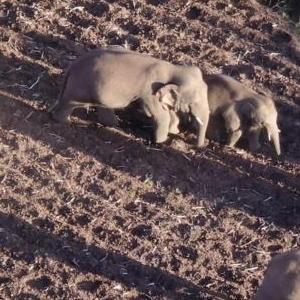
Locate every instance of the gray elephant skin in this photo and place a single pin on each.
(282, 279)
(236, 110)
(112, 78)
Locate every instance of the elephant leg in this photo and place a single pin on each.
(215, 129)
(233, 126)
(174, 122)
(62, 112)
(107, 117)
(200, 112)
(147, 111)
(162, 123)
(253, 139)
(234, 137)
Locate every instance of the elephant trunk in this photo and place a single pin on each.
(273, 134)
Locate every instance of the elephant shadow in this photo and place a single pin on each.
(28, 243)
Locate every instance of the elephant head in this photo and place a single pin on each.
(260, 112)
(187, 100)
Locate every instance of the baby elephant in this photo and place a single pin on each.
(282, 279)
(238, 110)
(112, 78)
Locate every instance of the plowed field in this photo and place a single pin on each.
(102, 213)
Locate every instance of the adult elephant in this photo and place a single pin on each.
(112, 78)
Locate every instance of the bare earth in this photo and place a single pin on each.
(102, 213)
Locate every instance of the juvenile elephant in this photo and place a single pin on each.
(112, 78)
(282, 279)
(238, 110)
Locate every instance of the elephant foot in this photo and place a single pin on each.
(61, 117)
(62, 112)
(161, 134)
(202, 144)
(107, 117)
(174, 130)
(160, 139)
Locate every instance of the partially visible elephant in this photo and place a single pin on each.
(113, 78)
(282, 279)
(237, 110)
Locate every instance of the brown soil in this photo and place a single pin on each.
(101, 213)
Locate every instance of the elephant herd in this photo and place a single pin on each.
(220, 107)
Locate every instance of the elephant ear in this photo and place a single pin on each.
(168, 95)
